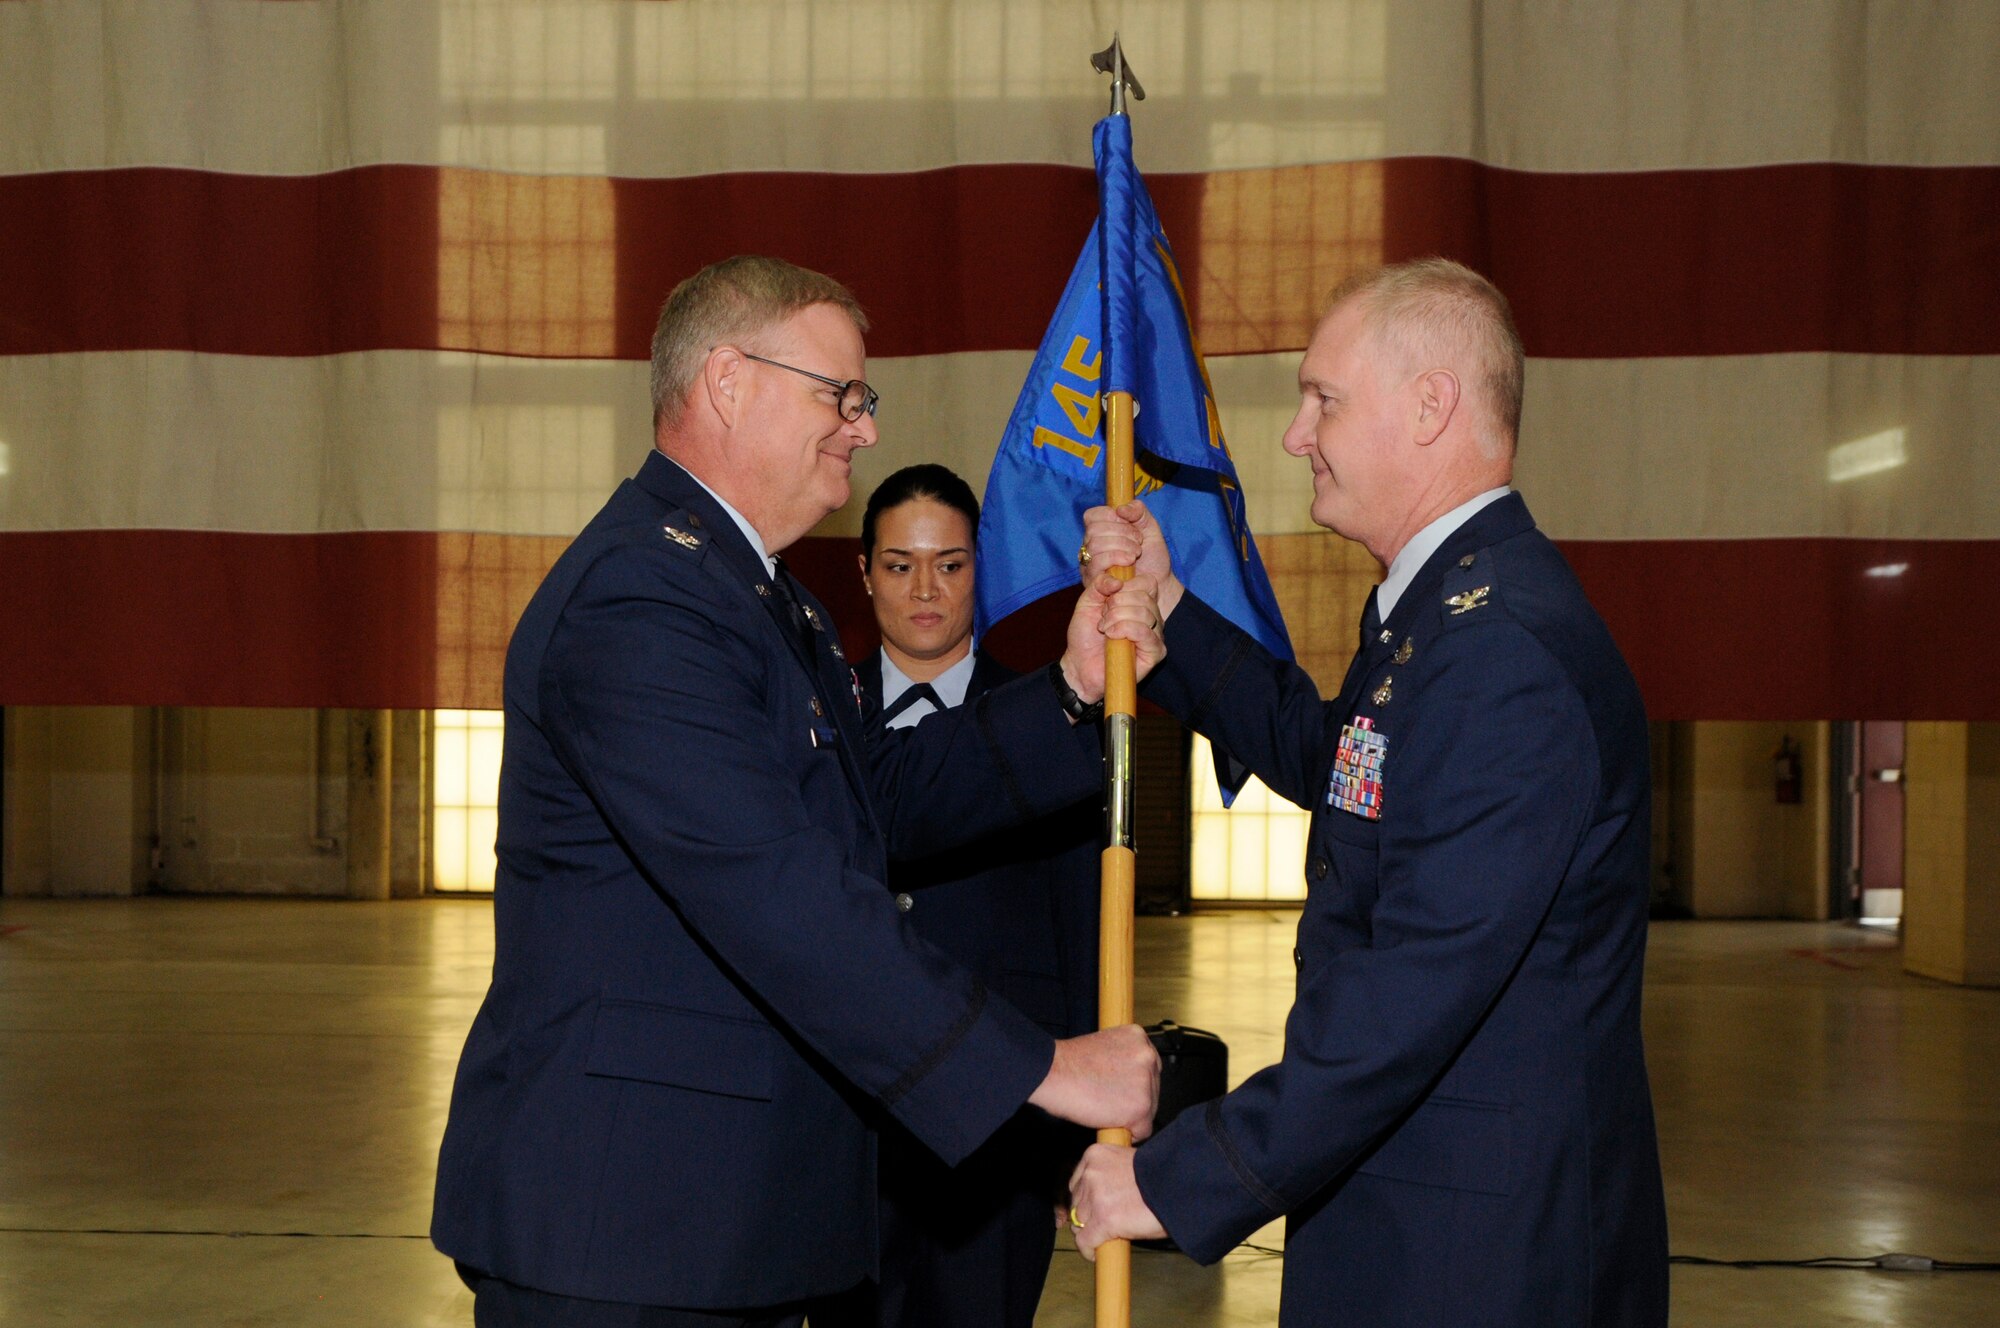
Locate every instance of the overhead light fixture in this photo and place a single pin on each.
(1887, 569)
(1867, 456)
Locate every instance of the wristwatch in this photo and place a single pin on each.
(1071, 703)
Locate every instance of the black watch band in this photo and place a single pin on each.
(1071, 703)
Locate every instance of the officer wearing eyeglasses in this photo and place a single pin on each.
(703, 992)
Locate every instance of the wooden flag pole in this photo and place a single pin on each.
(1121, 705)
(1119, 864)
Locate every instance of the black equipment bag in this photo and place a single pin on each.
(1194, 1067)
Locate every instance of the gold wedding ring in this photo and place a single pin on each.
(1083, 557)
(1075, 1222)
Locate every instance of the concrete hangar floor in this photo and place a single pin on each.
(227, 1112)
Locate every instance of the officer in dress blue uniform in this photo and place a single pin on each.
(703, 993)
(1460, 1130)
(969, 1246)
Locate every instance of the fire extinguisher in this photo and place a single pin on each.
(1785, 772)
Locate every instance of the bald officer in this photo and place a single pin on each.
(703, 993)
(1460, 1130)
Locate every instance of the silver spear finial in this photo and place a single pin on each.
(1111, 60)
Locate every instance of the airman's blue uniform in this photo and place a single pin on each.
(1460, 1130)
(702, 988)
(969, 1246)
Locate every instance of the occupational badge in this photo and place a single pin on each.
(1404, 651)
(1382, 693)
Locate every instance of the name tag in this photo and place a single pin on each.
(1356, 785)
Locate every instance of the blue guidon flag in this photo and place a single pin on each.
(1050, 464)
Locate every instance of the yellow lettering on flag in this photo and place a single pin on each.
(1215, 438)
(1074, 363)
(1084, 452)
(1239, 533)
(1081, 407)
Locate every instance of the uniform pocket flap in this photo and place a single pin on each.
(1352, 829)
(659, 1044)
(1453, 1142)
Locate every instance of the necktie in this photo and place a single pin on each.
(794, 607)
(915, 692)
(1371, 623)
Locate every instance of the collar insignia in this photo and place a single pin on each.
(1467, 602)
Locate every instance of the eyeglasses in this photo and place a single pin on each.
(856, 397)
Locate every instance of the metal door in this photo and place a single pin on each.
(1880, 828)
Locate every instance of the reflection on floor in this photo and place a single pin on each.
(227, 1111)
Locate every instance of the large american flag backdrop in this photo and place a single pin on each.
(323, 325)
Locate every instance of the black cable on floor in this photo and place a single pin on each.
(1885, 1263)
(1888, 1263)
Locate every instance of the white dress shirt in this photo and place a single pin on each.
(1404, 567)
(950, 686)
(749, 531)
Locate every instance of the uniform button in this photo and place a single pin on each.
(1318, 869)
(904, 903)
(1298, 957)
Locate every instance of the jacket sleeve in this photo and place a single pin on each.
(1075, 870)
(1265, 711)
(652, 692)
(1495, 776)
(1006, 757)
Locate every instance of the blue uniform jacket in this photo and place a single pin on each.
(701, 985)
(1460, 1127)
(1019, 908)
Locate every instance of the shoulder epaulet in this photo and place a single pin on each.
(1471, 589)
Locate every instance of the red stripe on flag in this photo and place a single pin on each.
(1714, 629)
(164, 617)
(1820, 257)
(158, 259)
(1780, 629)
(1815, 257)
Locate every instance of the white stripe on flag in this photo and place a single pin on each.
(643, 88)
